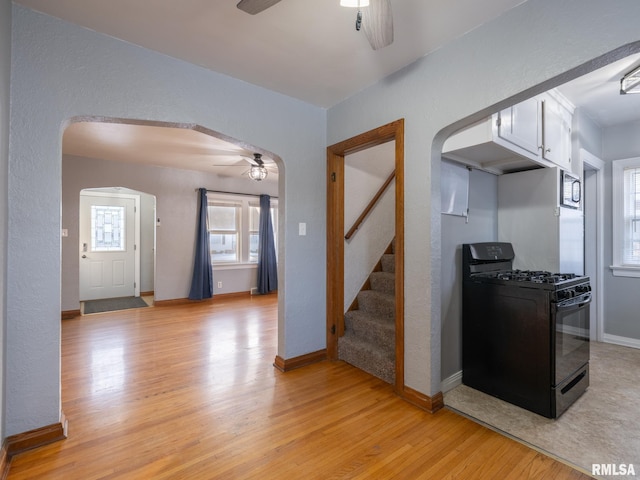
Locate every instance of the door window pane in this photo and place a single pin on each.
(107, 228)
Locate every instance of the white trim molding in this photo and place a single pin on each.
(451, 382)
(619, 268)
(625, 271)
(623, 341)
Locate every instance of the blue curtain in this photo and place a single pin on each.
(202, 280)
(267, 263)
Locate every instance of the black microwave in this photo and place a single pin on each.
(570, 190)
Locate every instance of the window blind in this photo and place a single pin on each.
(631, 250)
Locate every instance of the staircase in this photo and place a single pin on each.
(369, 338)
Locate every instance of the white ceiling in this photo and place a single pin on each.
(305, 49)
(161, 146)
(598, 93)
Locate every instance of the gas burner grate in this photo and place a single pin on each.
(533, 276)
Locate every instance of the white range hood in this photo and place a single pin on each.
(532, 134)
(477, 147)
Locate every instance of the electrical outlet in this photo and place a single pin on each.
(219, 284)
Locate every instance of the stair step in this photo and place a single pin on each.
(383, 282)
(369, 339)
(379, 303)
(380, 332)
(360, 354)
(388, 261)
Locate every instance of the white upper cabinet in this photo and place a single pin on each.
(556, 132)
(519, 125)
(532, 133)
(540, 126)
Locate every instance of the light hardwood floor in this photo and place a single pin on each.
(190, 393)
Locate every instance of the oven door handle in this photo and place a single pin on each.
(576, 303)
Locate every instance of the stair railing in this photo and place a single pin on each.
(369, 207)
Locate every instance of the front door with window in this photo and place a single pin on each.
(107, 246)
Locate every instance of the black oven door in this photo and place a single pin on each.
(571, 325)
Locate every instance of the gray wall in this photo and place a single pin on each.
(481, 227)
(621, 300)
(526, 51)
(61, 71)
(5, 75)
(587, 134)
(176, 206)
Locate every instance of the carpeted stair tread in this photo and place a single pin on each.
(383, 282)
(378, 303)
(359, 353)
(369, 338)
(379, 331)
(388, 261)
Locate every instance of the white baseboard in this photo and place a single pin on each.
(624, 341)
(451, 382)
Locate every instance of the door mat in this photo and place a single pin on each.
(111, 304)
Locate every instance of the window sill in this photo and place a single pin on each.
(625, 271)
(234, 266)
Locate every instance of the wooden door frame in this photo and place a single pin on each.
(393, 131)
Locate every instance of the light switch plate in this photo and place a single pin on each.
(302, 229)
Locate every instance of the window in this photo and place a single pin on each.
(254, 229)
(234, 228)
(224, 232)
(626, 217)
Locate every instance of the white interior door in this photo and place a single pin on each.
(107, 246)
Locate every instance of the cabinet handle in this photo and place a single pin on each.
(548, 150)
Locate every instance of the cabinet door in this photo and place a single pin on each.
(556, 133)
(519, 125)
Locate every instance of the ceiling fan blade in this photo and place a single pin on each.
(249, 160)
(377, 23)
(255, 6)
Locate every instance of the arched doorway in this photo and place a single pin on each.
(168, 162)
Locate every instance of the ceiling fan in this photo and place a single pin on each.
(374, 17)
(257, 171)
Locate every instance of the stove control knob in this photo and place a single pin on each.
(565, 294)
(583, 288)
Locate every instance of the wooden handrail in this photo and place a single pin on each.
(369, 207)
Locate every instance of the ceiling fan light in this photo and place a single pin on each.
(354, 3)
(630, 83)
(258, 173)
